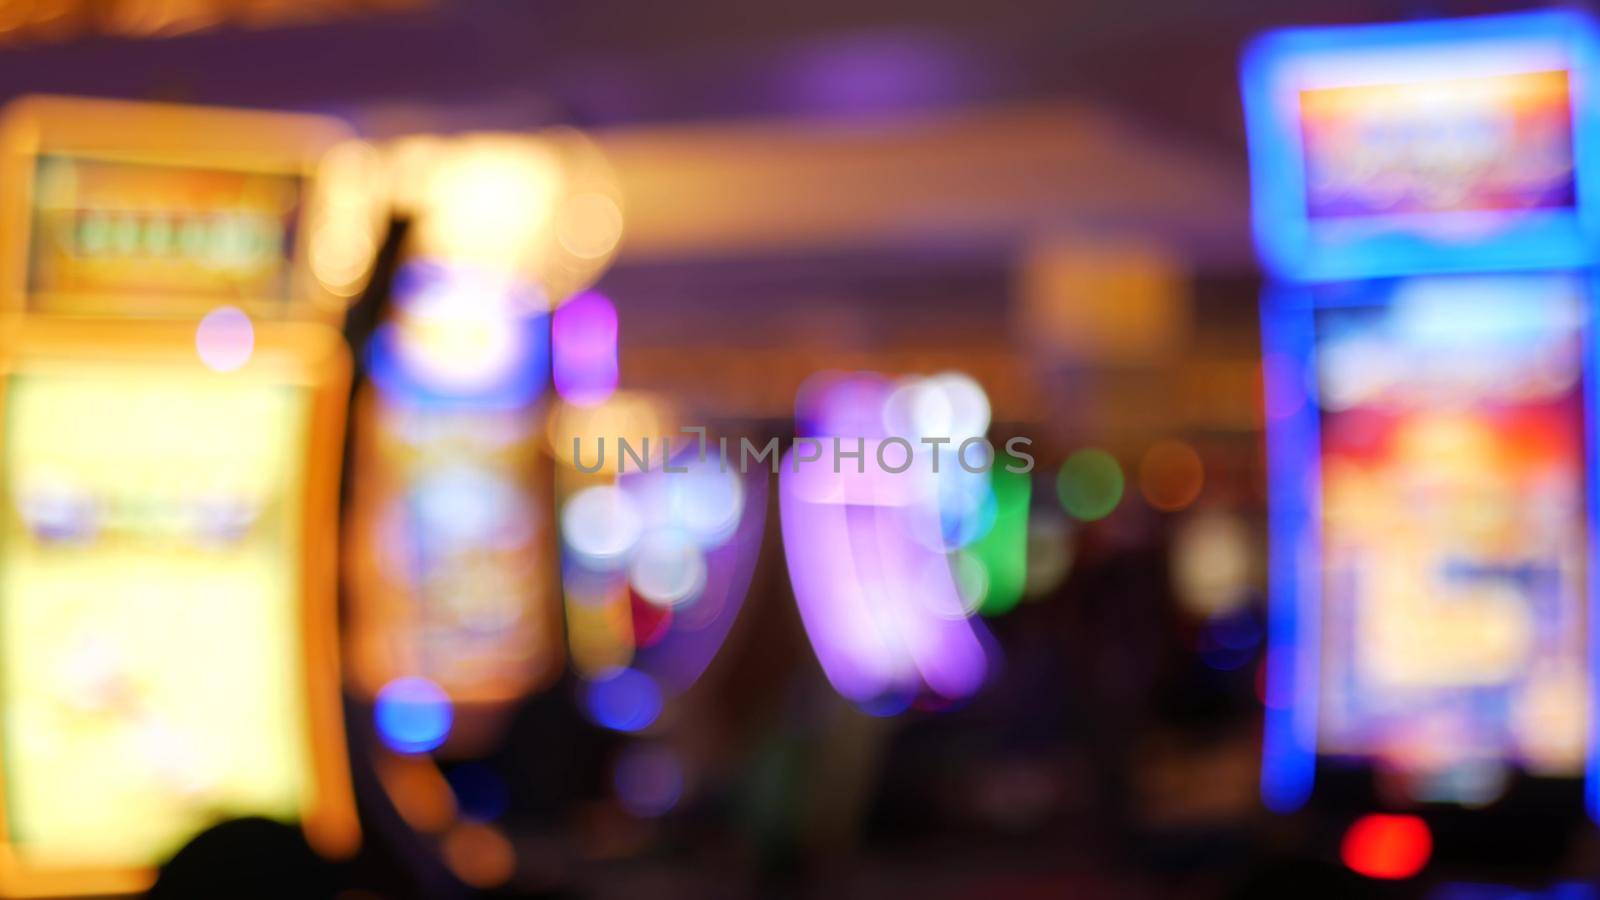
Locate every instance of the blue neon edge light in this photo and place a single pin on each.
(1289, 741)
(1591, 436)
(1295, 248)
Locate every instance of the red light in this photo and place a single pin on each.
(1392, 847)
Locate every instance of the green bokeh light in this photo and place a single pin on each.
(1090, 485)
(1004, 550)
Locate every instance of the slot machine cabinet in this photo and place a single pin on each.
(455, 607)
(173, 399)
(1422, 198)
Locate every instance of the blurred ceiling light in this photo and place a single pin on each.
(589, 225)
(544, 207)
(489, 202)
(47, 21)
(347, 216)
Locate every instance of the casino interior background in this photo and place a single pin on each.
(540, 221)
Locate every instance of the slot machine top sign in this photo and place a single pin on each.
(173, 411)
(1424, 147)
(138, 210)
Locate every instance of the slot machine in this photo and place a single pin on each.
(173, 397)
(455, 614)
(1424, 201)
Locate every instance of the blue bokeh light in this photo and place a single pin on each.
(624, 700)
(413, 715)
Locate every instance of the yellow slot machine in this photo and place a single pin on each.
(173, 410)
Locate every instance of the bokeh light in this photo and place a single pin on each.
(667, 567)
(480, 855)
(601, 525)
(1090, 484)
(648, 779)
(1171, 475)
(1387, 847)
(490, 201)
(1214, 562)
(1050, 550)
(1003, 550)
(460, 330)
(624, 700)
(413, 715)
(583, 346)
(589, 225)
(225, 339)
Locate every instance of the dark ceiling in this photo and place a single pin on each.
(1168, 64)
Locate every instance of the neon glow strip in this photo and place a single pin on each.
(1294, 638)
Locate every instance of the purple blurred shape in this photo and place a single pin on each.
(583, 338)
(882, 610)
(875, 73)
(699, 627)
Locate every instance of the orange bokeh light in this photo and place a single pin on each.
(1171, 475)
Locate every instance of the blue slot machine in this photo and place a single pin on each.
(1423, 197)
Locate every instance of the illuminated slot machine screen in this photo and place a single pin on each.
(1451, 521)
(1427, 147)
(133, 237)
(171, 419)
(451, 555)
(156, 670)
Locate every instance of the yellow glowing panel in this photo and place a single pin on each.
(151, 669)
(141, 234)
(152, 210)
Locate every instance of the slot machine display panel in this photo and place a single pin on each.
(1432, 511)
(1450, 146)
(168, 490)
(135, 210)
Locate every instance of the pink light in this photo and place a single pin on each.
(583, 336)
(225, 339)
